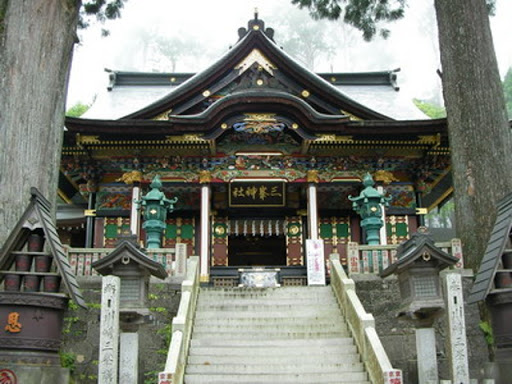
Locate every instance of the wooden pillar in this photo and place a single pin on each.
(312, 212)
(205, 233)
(134, 214)
(89, 223)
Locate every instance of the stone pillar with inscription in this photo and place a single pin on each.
(181, 260)
(109, 330)
(458, 346)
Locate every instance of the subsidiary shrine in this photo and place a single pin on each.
(261, 155)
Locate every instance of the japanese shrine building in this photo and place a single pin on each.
(260, 152)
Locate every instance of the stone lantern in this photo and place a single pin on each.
(418, 267)
(368, 206)
(155, 206)
(134, 269)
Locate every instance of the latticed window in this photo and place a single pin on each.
(425, 286)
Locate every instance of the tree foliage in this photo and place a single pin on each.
(365, 15)
(431, 110)
(77, 110)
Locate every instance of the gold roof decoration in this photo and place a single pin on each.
(184, 139)
(256, 57)
(386, 177)
(333, 139)
(86, 139)
(131, 177)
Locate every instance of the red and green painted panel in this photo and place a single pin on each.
(335, 232)
(294, 253)
(220, 242)
(397, 229)
(180, 230)
(113, 227)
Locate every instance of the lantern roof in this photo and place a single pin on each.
(125, 253)
(419, 246)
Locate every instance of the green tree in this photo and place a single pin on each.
(77, 110)
(507, 88)
(36, 45)
(431, 110)
(479, 132)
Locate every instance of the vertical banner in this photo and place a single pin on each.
(353, 258)
(315, 262)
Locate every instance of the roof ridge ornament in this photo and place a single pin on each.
(256, 25)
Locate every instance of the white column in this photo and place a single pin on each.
(109, 330)
(312, 211)
(205, 232)
(458, 346)
(134, 214)
(383, 233)
(129, 357)
(426, 355)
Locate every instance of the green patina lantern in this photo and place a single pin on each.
(156, 206)
(368, 206)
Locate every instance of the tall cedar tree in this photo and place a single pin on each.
(36, 45)
(479, 132)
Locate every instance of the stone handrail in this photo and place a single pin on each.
(362, 326)
(182, 327)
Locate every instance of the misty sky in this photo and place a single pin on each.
(212, 27)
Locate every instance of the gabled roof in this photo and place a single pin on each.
(496, 247)
(171, 95)
(124, 253)
(38, 215)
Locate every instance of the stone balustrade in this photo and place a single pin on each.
(81, 259)
(182, 327)
(375, 258)
(362, 326)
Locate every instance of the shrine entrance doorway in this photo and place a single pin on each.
(257, 251)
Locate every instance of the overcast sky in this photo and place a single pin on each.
(411, 46)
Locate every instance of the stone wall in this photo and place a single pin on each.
(81, 334)
(381, 298)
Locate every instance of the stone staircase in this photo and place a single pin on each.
(274, 335)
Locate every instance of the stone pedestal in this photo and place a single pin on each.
(23, 373)
(109, 330)
(31, 328)
(129, 357)
(426, 356)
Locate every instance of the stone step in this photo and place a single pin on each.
(273, 313)
(266, 308)
(297, 378)
(280, 351)
(269, 335)
(274, 342)
(271, 322)
(206, 303)
(276, 369)
(267, 295)
(266, 291)
(269, 327)
(289, 356)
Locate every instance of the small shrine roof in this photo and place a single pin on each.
(38, 216)
(414, 248)
(496, 248)
(125, 252)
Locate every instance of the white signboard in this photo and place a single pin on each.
(315, 262)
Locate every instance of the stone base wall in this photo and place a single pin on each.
(381, 298)
(81, 334)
